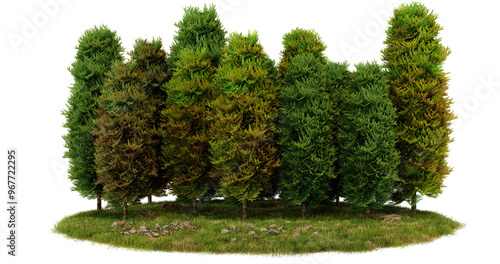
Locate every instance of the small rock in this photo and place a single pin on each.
(125, 229)
(255, 237)
(148, 235)
(236, 230)
(263, 229)
(287, 221)
(121, 224)
(273, 225)
(390, 217)
(283, 231)
(233, 239)
(143, 228)
(272, 232)
(251, 232)
(224, 230)
(233, 227)
(155, 234)
(309, 228)
(163, 234)
(112, 231)
(280, 228)
(251, 226)
(315, 234)
(132, 231)
(157, 226)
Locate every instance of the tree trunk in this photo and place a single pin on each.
(125, 215)
(245, 203)
(99, 208)
(413, 205)
(194, 206)
(337, 200)
(150, 198)
(368, 211)
(303, 210)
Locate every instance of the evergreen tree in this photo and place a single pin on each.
(151, 61)
(200, 29)
(306, 140)
(127, 138)
(185, 122)
(243, 150)
(368, 158)
(338, 79)
(414, 57)
(97, 49)
(306, 114)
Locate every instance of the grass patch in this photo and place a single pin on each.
(339, 228)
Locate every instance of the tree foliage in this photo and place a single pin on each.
(97, 49)
(414, 57)
(243, 150)
(127, 144)
(199, 29)
(185, 123)
(368, 158)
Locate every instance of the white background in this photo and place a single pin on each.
(34, 90)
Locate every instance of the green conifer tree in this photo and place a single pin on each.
(338, 79)
(414, 58)
(199, 29)
(306, 114)
(97, 49)
(243, 150)
(368, 158)
(306, 140)
(185, 122)
(126, 152)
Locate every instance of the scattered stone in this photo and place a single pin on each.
(255, 237)
(233, 227)
(343, 234)
(145, 214)
(121, 224)
(272, 232)
(180, 226)
(224, 230)
(233, 239)
(125, 229)
(148, 235)
(157, 226)
(236, 230)
(309, 228)
(288, 221)
(283, 231)
(155, 234)
(273, 225)
(132, 231)
(315, 234)
(251, 226)
(263, 229)
(390, 217)
(251, 232)
(112, 231)
(126, 233)
(280, 228)
(171, 206)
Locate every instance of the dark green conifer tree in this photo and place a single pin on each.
(127, 144)
(200, 29)
(97, 49)
(244, 154)
(368, 157)
(338, 79)
(185, 122)
(414, 58)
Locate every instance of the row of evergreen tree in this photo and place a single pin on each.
(215, 116)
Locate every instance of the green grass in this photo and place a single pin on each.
(340, 228)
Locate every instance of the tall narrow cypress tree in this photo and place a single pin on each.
(185, 123)
(306, 113)
(243, 150)
(199, 29)
(127, 137)
(414, 58)
(306, 142)
(97, 49)
(368, 158)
